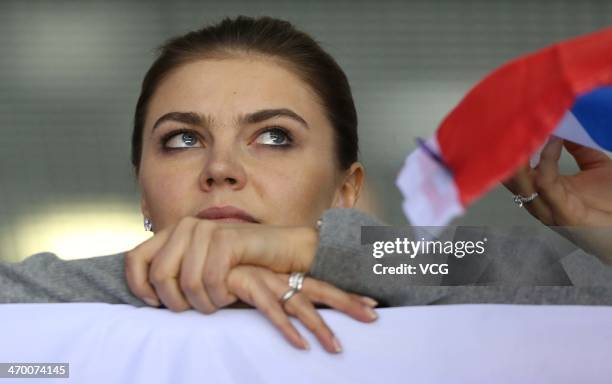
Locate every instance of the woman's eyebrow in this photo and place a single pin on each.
(190, 118)
(193, 118)
(265, 114)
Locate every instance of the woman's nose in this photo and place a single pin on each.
(222, 169)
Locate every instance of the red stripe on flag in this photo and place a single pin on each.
(510, 113)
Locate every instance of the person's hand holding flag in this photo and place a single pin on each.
(582, 201)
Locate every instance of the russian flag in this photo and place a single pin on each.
(563, 90)
(589, 122)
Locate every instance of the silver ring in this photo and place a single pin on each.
(296, 280)
(287, 295)
(522, 200)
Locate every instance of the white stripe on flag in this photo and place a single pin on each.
(430, 195)
(569, 128)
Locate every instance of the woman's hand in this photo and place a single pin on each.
(583, 200)
(262, 288)
(189, 264)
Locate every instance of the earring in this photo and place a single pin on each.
(148, 224)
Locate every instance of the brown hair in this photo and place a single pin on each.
(270, 37)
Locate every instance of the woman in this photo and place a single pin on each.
(245, 135)
(247, 122)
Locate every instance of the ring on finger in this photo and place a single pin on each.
(287, 295)
(522, 200)
(296, 282)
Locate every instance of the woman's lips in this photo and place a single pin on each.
(226, 213)
(231, 220)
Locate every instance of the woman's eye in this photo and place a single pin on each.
(275, 137)
(183, 140)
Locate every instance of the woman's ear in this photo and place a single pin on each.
(348, 191)
(144, 208)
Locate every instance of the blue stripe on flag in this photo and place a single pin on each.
(594, 112)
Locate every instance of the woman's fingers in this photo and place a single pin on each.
(225, 244)
(246, 284)
(191, 280)
(548, 181)
(263, 288)
(358, 307)
(165, 267)
(521, 179)
(137, 263)
(556, 204)
(586, 158)
(523, 183)
(300, 307)
(269, 287)
(548, 168)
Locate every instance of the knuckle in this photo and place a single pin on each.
(190, 285)
(131, 257)
(216, 298)
(290, 309)
(187, 220)
(137, 288)
(317, 290)
(158, 277)
(346, 304)
(210, 278)
(223, 235)
(269, 310)
(297, 307)
(316, 326)
(204, 227)
(541, 183)
(185, 223)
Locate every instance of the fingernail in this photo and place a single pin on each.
(371, 313)
(369, 301)
(305, 344)
(151, 301)
(554, 140)
(337, 346)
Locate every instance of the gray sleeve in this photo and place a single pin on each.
(44, 278)
(340, 258)
(342, 261)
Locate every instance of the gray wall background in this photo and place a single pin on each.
(70, 74)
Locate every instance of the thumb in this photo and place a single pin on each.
(586, 158)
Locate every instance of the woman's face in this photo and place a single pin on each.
(241, 132)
